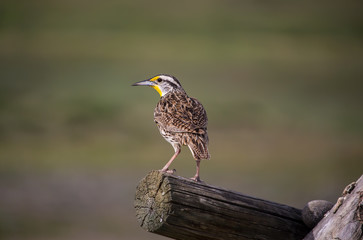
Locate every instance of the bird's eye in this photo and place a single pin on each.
(159, 80)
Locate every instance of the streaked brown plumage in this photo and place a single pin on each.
(180, 119)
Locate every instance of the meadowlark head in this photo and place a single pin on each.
(162, 83)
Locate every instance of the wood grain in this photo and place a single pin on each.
(183, 209)
(344, 221)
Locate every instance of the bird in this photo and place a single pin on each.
(181, 120)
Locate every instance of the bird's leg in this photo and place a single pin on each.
(196, 177)
(166, 167)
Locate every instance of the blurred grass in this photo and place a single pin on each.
(281, 82)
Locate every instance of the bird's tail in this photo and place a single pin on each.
(198, 147)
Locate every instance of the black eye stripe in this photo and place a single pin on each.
(168, 79)
(173, 85)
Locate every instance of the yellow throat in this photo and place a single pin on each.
(157, 88)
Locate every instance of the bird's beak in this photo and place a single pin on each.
(151, 83)
(144, 83)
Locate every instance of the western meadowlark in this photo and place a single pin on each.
(180, 119)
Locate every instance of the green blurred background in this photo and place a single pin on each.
(281, 82)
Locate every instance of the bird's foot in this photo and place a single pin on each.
(196, 178)
(168, 171)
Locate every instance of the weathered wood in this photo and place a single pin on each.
(183, 209)
(314, 211)
(345, 220)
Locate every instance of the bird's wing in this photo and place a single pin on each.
(180, 113)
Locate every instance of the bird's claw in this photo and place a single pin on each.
(168, 171)
(196, 178)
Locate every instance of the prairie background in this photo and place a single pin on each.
(282, 83)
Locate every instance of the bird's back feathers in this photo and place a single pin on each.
(183, 120)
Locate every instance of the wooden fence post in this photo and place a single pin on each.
(182, 209)
(345, 220)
